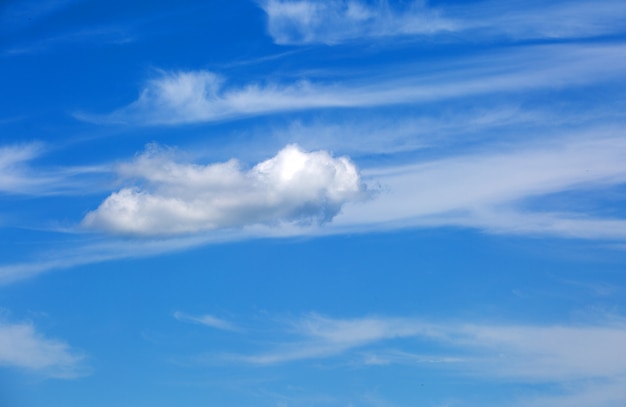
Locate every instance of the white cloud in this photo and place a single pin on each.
(551, 20)
(93, 36)
(101, 251)
(21, 346)
(487, 190)
(206, 320)
(294, 186)
(13, 172)
(582, 363)
(18, 174)
(336, 21)
(533, 353)
(203, 96)
(325, 337)
(200, 96)
(339, 21)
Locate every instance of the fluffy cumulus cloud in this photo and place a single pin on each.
(331, 22)
(23, 347)
(173, 198)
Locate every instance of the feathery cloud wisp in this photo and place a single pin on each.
(522, 352)
(292, 22)
(23, 347)
(206, 320)
(18, 174)
(294, 186)
(203, 96)
(13, 174)
(466, 191)
(336, 21)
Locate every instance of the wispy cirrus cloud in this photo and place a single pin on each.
(12, 162)
(581, 362)
(21, 346)
(292, 22)
(536, 19)
(97, 35)
(336, 21)
(521, 352)
(102, 251)
(174, 198)
(487, 190)
(207, 320)
(203, 96)
(18, 174)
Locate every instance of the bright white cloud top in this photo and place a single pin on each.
(293, 186)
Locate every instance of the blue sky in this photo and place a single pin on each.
(292, 203)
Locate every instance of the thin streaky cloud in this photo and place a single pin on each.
(554, 20)
(207, 320)
(202, 96)
(523, 352)
(14, 173)
(20, 176)
(336, 21)
(103, 251)
(93, 36)
(369, 134)
(297, 22)
(465, 189)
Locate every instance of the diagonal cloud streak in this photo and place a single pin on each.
(486, 190)
(202, 96)
(523, 352)
(332, 22)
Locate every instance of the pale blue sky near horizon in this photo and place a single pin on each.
(296, 203)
